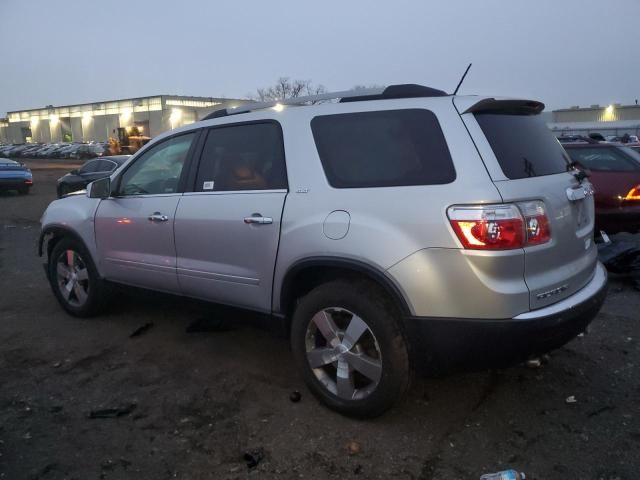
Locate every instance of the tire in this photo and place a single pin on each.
(23, 191)
(381, 349)
(88, 293)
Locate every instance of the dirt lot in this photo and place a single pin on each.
(197, 401)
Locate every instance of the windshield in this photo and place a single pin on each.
(523, 145)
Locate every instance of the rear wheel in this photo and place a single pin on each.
(350, 348)
(74, 279)
(23, 190)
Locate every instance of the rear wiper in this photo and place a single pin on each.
(579, 171)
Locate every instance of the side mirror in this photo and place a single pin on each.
(100, 188)
(75, 171)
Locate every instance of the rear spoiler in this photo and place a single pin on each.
(506, 107)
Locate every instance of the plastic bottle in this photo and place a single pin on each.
(504, 475)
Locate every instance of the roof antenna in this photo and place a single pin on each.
(462, 79)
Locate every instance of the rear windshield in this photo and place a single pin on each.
(383, 149)
(6, 164)
(523, 145)
(610, 159)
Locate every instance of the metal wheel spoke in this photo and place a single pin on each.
(82, 274)
(71, 258)
(79, 292)
(354, 331)
(320, 356)
(63, 271)
(344, 381)
(66, 291)
(327, 327)
(369, 367)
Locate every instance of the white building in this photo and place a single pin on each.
(98, 121)
(613, 119)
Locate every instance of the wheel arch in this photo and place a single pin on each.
(306, 274)
(52, 234)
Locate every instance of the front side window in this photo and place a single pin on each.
(383, 149)
(243, 157)
(158, 169)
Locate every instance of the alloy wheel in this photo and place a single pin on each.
(73, 278)
(343, 353)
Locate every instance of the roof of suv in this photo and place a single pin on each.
(408, 90)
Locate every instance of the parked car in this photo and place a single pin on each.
(92, 170)
(15, 176)
(615, 175)
(576, 139)
(395, 230)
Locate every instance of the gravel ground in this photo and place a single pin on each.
(192, 403)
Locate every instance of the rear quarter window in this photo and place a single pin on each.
(383, 149)
(523, 145)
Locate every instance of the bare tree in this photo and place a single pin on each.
(366, 87)
(286, 88)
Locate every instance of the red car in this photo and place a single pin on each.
(615, 175)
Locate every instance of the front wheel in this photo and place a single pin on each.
(350, 347)
(74, 279)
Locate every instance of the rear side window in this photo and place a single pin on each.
(523, 145)
(604, 159)
(243, 157)
(90, 167)
(383, 149)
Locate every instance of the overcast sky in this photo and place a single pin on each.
(563, 52)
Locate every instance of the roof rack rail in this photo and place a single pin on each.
(379, 93)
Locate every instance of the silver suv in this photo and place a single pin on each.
(392, 230)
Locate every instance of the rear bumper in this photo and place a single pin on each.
(446, 344)
(15, 182)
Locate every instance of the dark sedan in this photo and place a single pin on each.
(615, 175)
(15, 176)
(90, 171)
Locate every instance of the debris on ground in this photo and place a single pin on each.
(622, 255)
(253, 457)
(504, 475)
(570, 399)
(353, 448)
(295, 396)
(534, 363)
(140, 330)
(112, 412)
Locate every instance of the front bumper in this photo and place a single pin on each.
(615, 220)
(441, 345)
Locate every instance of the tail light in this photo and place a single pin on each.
(536, 223)
(28, 182)
(634, 193)
(500, 227)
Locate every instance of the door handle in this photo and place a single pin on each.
(158, 217)
(258, 219)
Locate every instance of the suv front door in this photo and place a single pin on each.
(134, 228)
(227, 229)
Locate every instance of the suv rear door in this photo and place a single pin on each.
(227, 228)
(526, 162)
